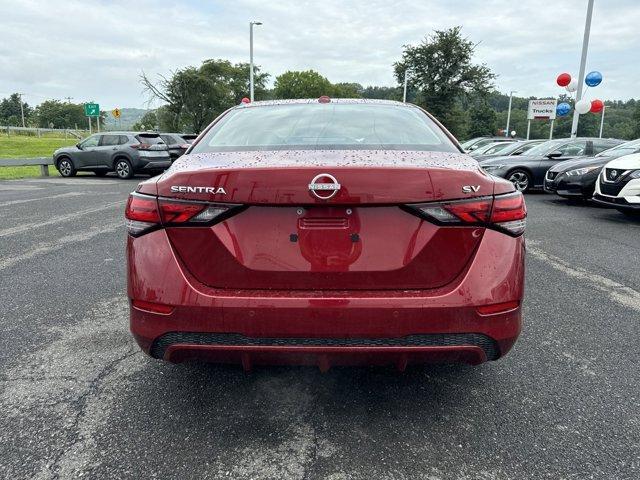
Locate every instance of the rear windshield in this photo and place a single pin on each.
(149, 138)
(325, 126)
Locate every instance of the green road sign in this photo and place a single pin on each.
(92, 110)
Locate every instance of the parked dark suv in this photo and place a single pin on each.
(177, 143)
(125, 153)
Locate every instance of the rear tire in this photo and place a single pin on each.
(521, 179)
(123, 169)
(66, 167)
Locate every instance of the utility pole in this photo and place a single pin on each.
(251, 24)
(506, 133)
(583, 62)
(22, 110)
(604, 107)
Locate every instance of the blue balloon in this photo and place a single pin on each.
(562, 109)
(593, 79)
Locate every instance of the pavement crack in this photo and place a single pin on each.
(81, 404)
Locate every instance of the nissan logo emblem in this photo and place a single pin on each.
(325, 190)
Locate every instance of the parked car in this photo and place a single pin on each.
(475, 143)
(618, 185)
(326, 232)
(577, 178)
(491, 147)
(177, 143)
(528, 171)
(125, 153)
(506, 149)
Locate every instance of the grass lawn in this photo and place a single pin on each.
(19, 146)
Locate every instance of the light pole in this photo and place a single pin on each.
(251, 24)
(583, 61)
(22, 109)
(506, 132)
(404, 93)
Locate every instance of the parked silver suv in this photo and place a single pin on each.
(125, 153)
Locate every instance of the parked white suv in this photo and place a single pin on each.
(618, 185)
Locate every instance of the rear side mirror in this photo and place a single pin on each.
(79, 146)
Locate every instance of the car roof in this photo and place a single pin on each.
(305, 101)
(118, 132)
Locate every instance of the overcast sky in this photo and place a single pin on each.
(96, 50)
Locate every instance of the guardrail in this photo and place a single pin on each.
(42, 162)
(36, 131)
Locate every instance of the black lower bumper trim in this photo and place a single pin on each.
(487, 344)
(616, 202)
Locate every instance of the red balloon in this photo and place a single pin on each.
(245, 100)
(563, 79)
(596, 106)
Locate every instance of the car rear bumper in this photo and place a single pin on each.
(326, 328)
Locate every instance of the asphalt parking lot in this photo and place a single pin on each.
(79, 399)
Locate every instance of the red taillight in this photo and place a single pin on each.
(141, 146)
(472, 211)
(510, 213)
(142, 208)
(145, 213)
(505, 212)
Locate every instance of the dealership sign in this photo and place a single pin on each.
(542, 109)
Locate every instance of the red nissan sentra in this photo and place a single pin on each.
(326, 232)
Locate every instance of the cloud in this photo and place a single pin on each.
(92, 50)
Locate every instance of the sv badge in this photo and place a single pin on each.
(470, 188)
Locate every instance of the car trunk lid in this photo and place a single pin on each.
(361, 238)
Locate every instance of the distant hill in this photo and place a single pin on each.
(128, 116)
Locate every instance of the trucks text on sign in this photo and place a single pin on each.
(542, 109)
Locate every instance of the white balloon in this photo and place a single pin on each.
(583, 106)
(573, 86)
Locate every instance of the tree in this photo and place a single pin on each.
(441, 69)
(297, 84)
(383, 93)
(10, 113)
(149, 121)
(636, 120)
(60, 114)
(482, 119)
(195, 96)
(347, 90)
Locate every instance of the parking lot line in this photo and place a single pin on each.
(58, 219)
(48, 247)
(48, 197)
(619, 293)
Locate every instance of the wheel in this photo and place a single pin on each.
(100, 173)
(520, 179)
(66, 168)
(635, 214)
(123, 169)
